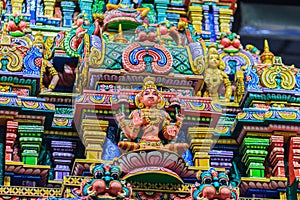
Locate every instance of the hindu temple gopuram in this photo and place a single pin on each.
(150, 100)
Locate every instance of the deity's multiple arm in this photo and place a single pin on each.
(132, 129)
(171, 131)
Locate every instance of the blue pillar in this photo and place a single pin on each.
(33, 12)
(68, 11)
(86, 7)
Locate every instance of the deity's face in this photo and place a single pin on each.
(150, 98)
(213, 61)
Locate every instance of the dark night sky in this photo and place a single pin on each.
(287, 44)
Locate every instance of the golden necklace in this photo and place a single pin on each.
(152, 116)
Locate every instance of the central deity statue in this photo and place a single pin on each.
(148, 121)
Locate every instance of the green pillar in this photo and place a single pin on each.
(30, 141)
(255, 152)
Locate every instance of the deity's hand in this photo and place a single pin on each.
(172, 131)
(136, 119)
(179, 118)
(120, 117)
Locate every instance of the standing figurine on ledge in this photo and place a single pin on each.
(150, 119)
(214, 76)
(47, 68)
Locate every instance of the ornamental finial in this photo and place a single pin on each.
(267, 56)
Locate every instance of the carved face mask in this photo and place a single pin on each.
(214, 61)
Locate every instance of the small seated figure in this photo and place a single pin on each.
(149, 119)
(168, 33)
(45, 65)
(16, 26)
(214, 77)
(146, 34)
(127, 4)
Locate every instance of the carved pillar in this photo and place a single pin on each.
(86, 7)
(195, 16)
(49, 8)
(68, 11)
(283, 195)
(216, 11)
(276, 157)
(221, 159)
(33, 12)
(6, 181)
(294, 159)
(225, 19)
(1, 7)
(94, 133)
(206, 18)
(161, 9)
(201, 142)
(28, 6)
(255, 152)
(8, 7)
(39, 8)
(161, 12)
(11, 135)
(30, 141)
(62, 156)
(16, 6)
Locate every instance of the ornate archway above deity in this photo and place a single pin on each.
(153, 59)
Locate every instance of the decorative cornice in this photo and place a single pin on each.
(37, 192)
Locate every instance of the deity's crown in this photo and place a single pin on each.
(149, 82)
(212, 49)
(38, 38)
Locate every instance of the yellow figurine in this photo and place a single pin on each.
(46, 65)
(214, 77)
(239, 86)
